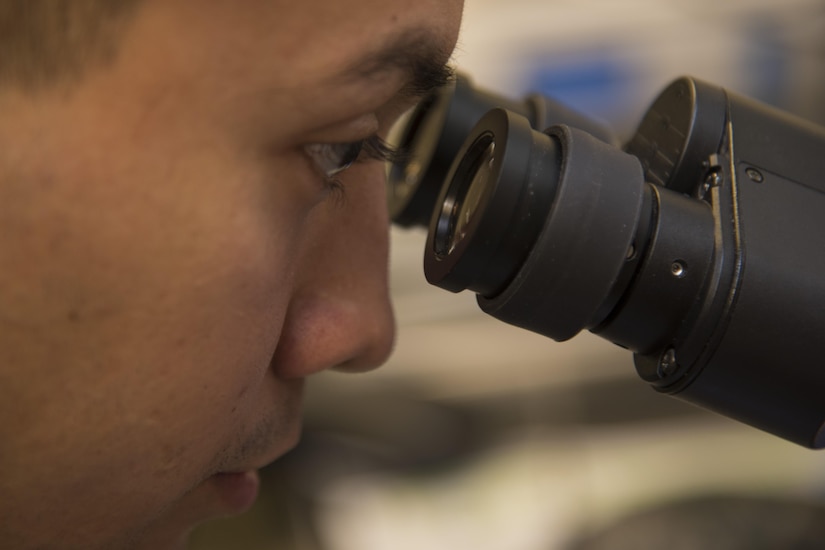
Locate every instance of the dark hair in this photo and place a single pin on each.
(45, 42)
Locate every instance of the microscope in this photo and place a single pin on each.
(698, 244)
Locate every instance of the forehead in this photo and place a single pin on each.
(272, 69)
(277, 45)
(310, 37)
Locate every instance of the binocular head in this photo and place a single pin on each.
(667, 246)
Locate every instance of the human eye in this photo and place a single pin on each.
(331, 159)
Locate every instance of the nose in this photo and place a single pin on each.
(339, 314)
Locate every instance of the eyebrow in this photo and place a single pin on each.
(416, 53)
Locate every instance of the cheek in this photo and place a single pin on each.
(148, 322)
(216, 291)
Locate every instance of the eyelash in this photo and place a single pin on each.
(332, 159)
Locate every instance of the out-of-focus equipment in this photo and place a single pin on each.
(699, 246)
(435, 130)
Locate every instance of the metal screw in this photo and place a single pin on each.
(667, 363)
(678, 269)
(755, 175)
(714, 179)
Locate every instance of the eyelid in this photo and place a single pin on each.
(333, 158)
(343, 131)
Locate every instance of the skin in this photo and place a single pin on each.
(173, 267)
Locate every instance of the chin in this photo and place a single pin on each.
(162, 541)
(219, 496)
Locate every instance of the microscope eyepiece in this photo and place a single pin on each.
(434, 132)
(492, 205)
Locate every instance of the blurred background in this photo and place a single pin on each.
(479, 435)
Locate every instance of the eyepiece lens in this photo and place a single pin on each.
(401, 188)
(474, 194)
(465, 196)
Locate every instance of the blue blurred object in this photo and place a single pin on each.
(596, 82)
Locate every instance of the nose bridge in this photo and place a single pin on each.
(340, 314)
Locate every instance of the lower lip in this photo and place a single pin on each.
(239, 490)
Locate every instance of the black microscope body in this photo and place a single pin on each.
(699, 245)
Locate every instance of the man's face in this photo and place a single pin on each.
(173, 264)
